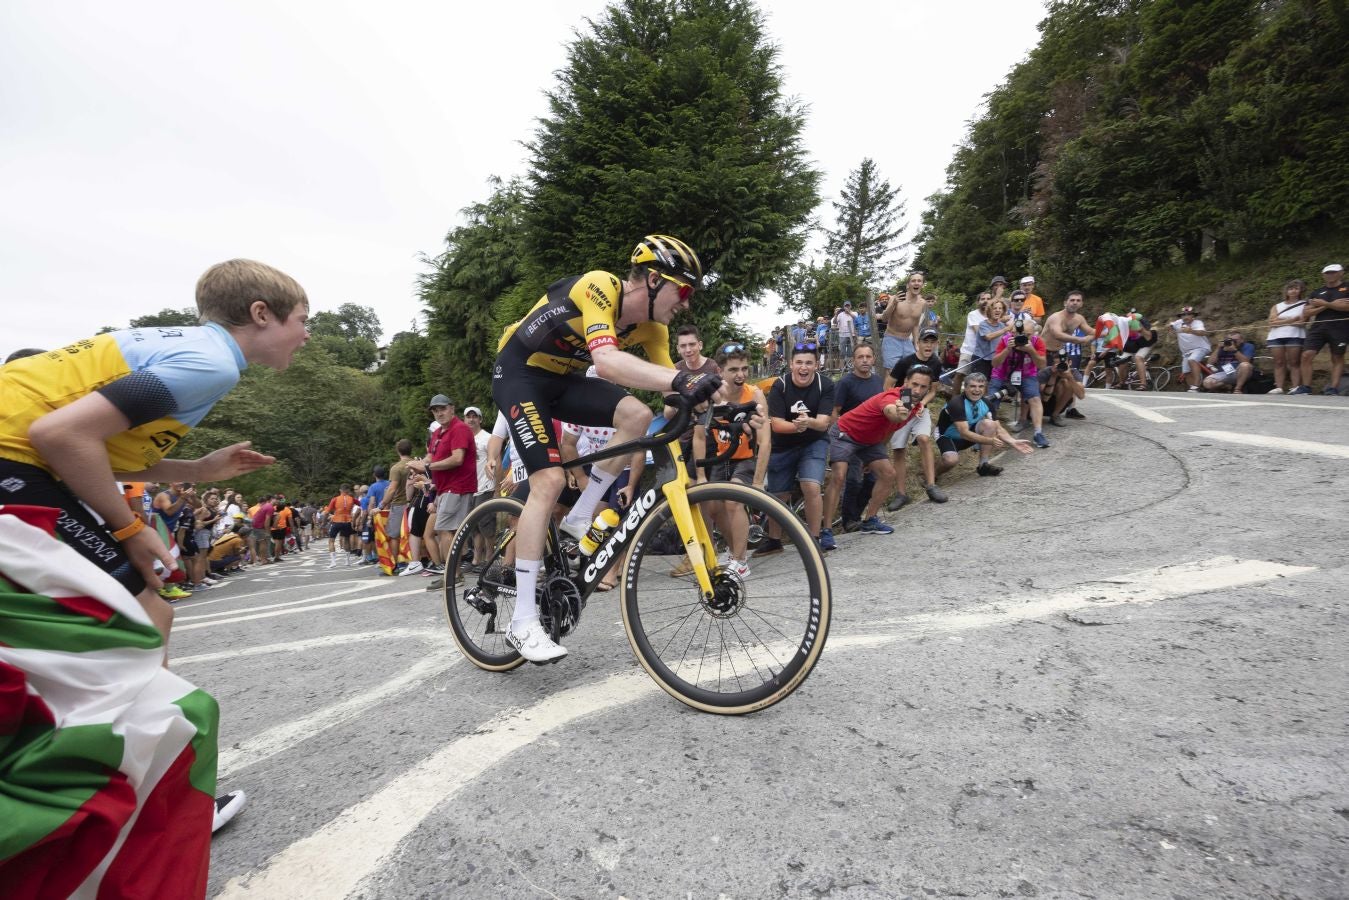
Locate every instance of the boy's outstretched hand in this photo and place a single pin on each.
(227, 462)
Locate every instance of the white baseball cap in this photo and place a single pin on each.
(473, 409)
(1029, 279)
(1333, 267)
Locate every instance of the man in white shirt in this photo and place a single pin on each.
(845, 327)
(1194, 345)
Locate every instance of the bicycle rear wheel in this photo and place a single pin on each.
(480, 609)
(756, 639)
(1160, 376)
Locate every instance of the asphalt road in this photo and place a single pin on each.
(1116, 671)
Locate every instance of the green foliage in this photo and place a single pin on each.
(669, 117)
(350, 335)
(870, 219)
(1142, 135)
(167, 318)
(817, 290)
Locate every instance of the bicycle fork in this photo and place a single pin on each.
(693, 531)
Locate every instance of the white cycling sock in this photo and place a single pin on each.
(526, 583)
(584, 510)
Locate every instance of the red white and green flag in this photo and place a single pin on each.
(107, 759)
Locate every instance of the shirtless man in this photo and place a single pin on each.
(1068, 381)
(901, 317)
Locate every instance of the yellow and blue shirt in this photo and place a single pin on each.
(164, 380)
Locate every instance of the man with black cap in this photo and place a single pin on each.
(1330, 306)
(919, 431)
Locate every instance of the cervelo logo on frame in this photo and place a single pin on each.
(640, 507)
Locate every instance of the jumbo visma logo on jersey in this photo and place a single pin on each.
(528, 425)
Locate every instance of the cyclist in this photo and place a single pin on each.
(540, 374)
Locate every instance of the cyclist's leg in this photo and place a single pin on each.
(603, 404)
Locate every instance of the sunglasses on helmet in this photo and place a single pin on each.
(806, 348)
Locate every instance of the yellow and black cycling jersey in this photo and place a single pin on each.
(575, 317)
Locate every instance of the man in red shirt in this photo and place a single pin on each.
(452, 463)
(262, 529)
(864, 432)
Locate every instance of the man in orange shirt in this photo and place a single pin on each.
(339, 517)
(280, 525)
(1035, 305)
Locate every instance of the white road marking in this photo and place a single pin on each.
(1265, 442)
(1141, 412)
(1198, 405)
(1200, 398)
(283, 737)
(318, 643)
(248, 617)
(334, 860)
(197, 604)
(236, 612)
(1149, 586)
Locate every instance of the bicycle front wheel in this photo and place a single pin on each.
(480, 594)
(757, 638)
(1160, 376)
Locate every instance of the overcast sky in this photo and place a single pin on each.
(141, 142)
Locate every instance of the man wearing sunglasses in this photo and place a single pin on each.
(540, 376)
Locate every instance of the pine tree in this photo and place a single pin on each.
(866, 243)
(669, 117)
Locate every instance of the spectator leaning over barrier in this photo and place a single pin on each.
(1065, 331)
(1017, 363)
(968, 422)
(1287, 335)
(1192, 339)
(800, 407)
(1330, 305)
(861, 383)
(1231, 362)
(863, 433)
(919, 430)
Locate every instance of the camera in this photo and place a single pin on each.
(1062, 364)
(1020, 326)
(1229, 343)
(1021, 340)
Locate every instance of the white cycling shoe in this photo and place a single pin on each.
(533, 643)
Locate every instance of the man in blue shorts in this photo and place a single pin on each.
(800, 411)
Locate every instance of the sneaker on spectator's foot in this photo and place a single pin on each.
(227, 807)
(331, 565)
(685, 567)
(435, 569)
(988, 469)
(898, 502)
(1074, 414)
(1194, 388)
(1057, 419)
(436, 584)
(1275, 391)
(875, 526)
(1300, 389)
(1040, 441)
(738, 568)
(827, 538)
(174, 592)
(769, 547)
(1330, 392)
(936, 494)
(1017, 427)
(412, 568)
(533, 643)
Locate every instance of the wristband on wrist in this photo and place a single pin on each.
(122, 534)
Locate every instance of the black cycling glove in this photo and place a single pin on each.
(695, 388)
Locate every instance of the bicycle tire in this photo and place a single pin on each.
(1160, 376)
(477, 611)
(767, 643)
(1101, 376)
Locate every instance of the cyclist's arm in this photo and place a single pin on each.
(612, 364)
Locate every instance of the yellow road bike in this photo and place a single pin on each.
(711, 639)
